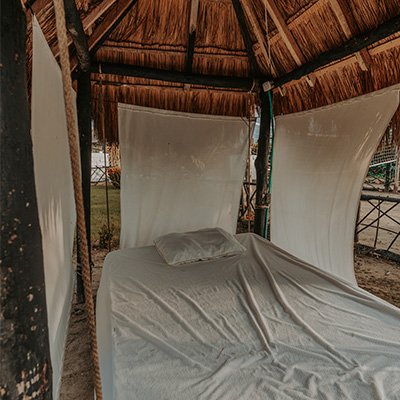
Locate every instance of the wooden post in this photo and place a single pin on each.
(397, 171)
(83, 102)
(24, 344)
(261, 165)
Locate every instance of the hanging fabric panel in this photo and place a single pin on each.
(54, 193)
(321, 158)
(179, 172)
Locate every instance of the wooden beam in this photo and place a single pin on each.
(364, 59)
(161, 86)
(362, 56)
(87, 22)
(352, 59)
(255, 70)
(352, 46)
(75, 29)
(311, 79)
(113, 17)
(25, 363)
(259, 36)
(174, 76)
(337, 9)
(194, 10)
(385, 46)
(286, 34)
(97, 13)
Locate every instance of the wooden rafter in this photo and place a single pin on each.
(97, 13)
(87, 22)
(77, 33)
(255, 69)
(284, 31)
(109, 23)
(101, 32)
(349, 48)
(259, 36)
(362, 56)
(194, 10)
(385, 46)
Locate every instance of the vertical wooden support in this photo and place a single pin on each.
(397, 171)
(261, 165)
(24, 344)
(83, 102)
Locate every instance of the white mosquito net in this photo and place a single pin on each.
(55, 196)
(320, 161)
(179, 172)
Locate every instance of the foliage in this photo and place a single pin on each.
(107, 236)
(99, 212)
(114, 173)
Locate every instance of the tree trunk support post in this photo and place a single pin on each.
(261, 165)
(24, 343)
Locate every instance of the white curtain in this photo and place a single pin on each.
(320, 161)
(180, 172)
(54, 194)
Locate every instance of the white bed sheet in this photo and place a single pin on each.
(263, 325)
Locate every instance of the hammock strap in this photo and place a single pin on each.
(73, 141)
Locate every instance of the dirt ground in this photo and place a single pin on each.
(380, 277)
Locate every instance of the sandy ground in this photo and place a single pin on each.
(374, 274)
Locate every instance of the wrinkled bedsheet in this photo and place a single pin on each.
(262, 325)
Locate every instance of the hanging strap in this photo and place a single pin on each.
(76, 177)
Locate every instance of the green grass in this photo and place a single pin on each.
(99, 211)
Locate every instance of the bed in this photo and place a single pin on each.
(262, 325)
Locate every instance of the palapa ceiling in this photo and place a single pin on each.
(205, 37)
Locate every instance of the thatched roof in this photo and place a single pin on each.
(284, 34)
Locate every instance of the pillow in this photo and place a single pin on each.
(189, 247)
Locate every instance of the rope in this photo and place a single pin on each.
(76, 176)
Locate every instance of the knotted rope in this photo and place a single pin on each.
(76, 177)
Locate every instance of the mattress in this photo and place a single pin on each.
(263, 325)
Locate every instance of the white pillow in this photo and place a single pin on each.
(205, 244)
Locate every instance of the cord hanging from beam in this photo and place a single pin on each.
(77, 183)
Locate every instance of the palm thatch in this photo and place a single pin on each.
(285, 34)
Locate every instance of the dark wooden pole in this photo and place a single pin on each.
(75, 29)
(261, 165)
(190, 51)
(25, 366)
(255, 70)
(83, 102)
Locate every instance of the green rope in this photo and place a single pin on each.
(271, 156)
